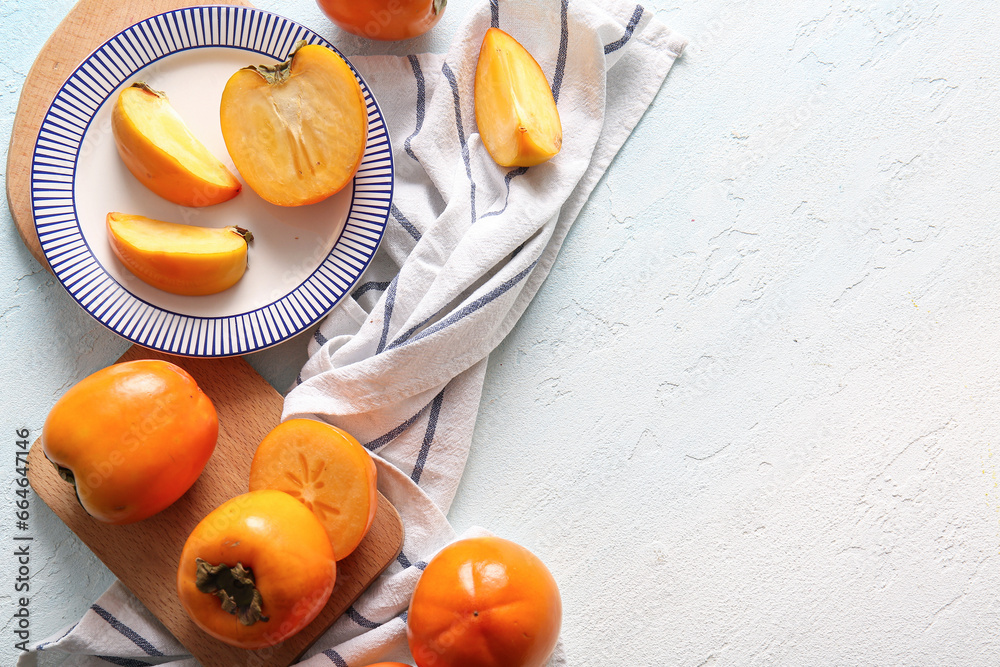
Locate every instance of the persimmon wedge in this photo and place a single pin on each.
(163, 154)
(180, 259)
(515, 111)
(296, 131)
(327, 470)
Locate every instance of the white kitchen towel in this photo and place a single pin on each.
(400, 364)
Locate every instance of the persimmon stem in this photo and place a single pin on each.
(142, 85)
(275, 74)
(235, 587)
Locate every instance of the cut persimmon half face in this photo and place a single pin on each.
(296, 131)
(327, 470)
(162, 152)
(180, 259)
(515, 111)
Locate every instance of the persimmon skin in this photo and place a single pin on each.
(287, 550)
(326, 469)
(385, 20)
(135, 435)
(484, 602)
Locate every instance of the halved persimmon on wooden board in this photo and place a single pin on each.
(515, 111)
(180, 259)
(296, 131)
(327, 470)
(163, 154)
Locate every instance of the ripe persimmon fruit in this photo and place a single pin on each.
(160, 150)
(176, 258)
(516, 113)
(484, 602)
(132, 438)
(327, 470)
(296, 131)
(256, 570)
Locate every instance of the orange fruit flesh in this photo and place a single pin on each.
(327, 470)
(516, 114)
(162, 152)
(300, 137)
(180, 259)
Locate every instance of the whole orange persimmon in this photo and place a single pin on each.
(385, 20)
(256, 570)
(132, 438)
(484, 602)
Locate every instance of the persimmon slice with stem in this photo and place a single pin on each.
(163, 154)
(515, 111)
(327, 470)
(296, 131)
(180, 259)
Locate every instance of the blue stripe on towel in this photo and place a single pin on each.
(508, 177)
(405, 562)
(432, 420)
(319, 338)
(128, 632)
(629, 29)
(470, 308)
(495, 13)
(461, 135)
(41, 647)
(563, 50)
(335, 657)
(421, 103)
(410, 228)
(390, 301)
(368, 287)
(122, 662)
(355, 616)
(394, 433)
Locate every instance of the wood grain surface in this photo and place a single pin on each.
(88, 25)
(144, 555)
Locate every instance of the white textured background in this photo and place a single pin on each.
(750, 418)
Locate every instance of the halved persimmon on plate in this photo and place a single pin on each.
(296, 131)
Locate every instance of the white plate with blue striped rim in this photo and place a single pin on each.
(303, 260)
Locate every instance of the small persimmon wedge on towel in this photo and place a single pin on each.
(163, 154)
(296, 131)
(180, 259)
(515, 111)
(327, 470)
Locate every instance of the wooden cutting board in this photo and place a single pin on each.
(144, 555)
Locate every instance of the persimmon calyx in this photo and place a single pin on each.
(243, 232)
(275, 74)
(64, 473)
(439, 6)
(235, 587)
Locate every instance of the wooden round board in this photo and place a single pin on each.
(144, 555)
